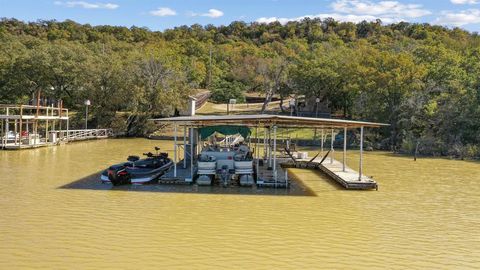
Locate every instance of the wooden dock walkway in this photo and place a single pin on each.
(184, 175)
(349, 178)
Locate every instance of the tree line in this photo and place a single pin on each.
(424, 80)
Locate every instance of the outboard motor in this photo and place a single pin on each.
(224, 175)
(118, 175)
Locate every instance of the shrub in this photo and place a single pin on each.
(223, 91)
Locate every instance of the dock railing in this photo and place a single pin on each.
(82, 134)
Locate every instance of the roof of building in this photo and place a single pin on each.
(265, 120)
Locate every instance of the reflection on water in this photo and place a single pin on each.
(297, 188)
(425, 215)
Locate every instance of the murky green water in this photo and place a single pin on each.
(426, 215)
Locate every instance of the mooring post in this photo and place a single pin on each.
(361, 155)
(331, 147)
(175, 150)
(344, 147)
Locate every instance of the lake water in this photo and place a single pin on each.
(425, 215)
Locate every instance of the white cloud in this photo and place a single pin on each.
(212, 13)
(163, 11)
(463, 2)
(460, 18)
(87, 5)
(339, 17)
(379, 8)
(363, 10)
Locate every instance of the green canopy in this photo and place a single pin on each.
(206, 132)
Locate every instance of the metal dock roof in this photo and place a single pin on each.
(266, 120)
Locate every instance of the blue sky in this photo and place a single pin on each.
(159, 15)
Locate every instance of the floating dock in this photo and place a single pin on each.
(348, 178)
(265, 176)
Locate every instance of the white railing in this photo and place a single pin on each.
(81, 134)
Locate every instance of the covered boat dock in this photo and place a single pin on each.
(274, 172)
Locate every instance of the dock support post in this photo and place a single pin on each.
(344, 147)
(46, 128)
(174, 150)
(275, 154)
(7, 127)
(68, 127)
(321, 144)
(184, 146)
(269, 147)
(2, 136)
(331, 147)
(15, 130)
(191, 152)
(264, 143)
(257, 151)
(21, 124)
(360, 167)
(27, 130)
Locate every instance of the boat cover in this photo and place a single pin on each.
(206, 132)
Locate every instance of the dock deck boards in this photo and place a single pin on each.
(266, 179)
(182, 174)
(349, 178)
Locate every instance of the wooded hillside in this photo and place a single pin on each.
(422, 79)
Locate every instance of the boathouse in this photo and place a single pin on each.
(276, 159)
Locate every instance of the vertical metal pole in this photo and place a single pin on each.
(68, 126)
(332, 139)
(3, 136)
(7, 127)
(175, 150)
(21, 126)
(361, 155)
(191, 152)
(184, 146)
(197, 146)
(257, 152)
(86, 117)
(210, 69)
(264, 143)
(344, 147)
(321, 143)
(27, 131)
(269, 147)
(275, 153)
(35, 131)
(46, 127)
(16, 131)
